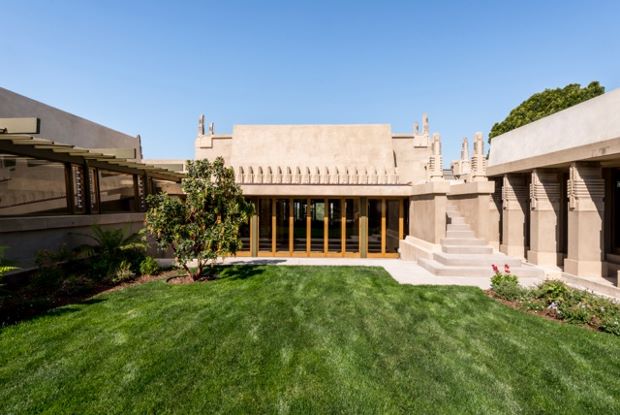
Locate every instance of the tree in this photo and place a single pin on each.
(546, 103)
(205, 225)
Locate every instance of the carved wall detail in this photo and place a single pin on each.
(315, 175)
(544, 190)
(586, 187)
(514, 191)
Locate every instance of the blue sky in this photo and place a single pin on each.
(152, 67)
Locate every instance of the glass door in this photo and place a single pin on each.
(392, 226)
(335, 235)
(375, 214)
(265, 228)
(300, 211)
(352, 226)
(317, 225)
(282, 227)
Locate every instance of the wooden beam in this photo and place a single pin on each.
(383, 225)
(325, 226)
(291, 227)
(274, 224)
(343, 226)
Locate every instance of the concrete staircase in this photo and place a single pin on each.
(464, 255)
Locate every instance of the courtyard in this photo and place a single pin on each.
(299, 339)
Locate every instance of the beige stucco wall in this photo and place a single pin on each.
(427, 211)
(312, 145)
(67, 128)
(410, 160)
(207, 147)
(546, 142)
(26, 235)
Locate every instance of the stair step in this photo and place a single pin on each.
(465, 249)
(476, 260)
(439, 269)
(458, 227)
(456, 221)
(463, 241)
(460, 234)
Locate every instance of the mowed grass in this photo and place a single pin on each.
(303, 340)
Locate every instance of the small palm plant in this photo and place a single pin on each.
(113, 243)
(111, 247)
(5, 266)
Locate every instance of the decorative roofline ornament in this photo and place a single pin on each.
(434, 168)
(478, 161)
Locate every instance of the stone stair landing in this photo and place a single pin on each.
(464, 255)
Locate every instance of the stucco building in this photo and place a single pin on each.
(543, 199)
(60, 174)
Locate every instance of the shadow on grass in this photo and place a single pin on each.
(20, 306)
(257, 262)
(237, 272)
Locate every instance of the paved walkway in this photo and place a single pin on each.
(405, 272)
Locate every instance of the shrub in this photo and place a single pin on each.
(561, 301)
(506, 285)
(205, 224)
(123, 272)
(149, 266)
(611, 325)
(111, 248)
(552, 291)
(5, 266)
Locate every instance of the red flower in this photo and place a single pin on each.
(506, 269)
(495, 269)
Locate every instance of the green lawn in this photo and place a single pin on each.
(303, 340)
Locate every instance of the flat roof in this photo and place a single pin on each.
(49, 149)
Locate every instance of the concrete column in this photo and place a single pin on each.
(544, 218)
(495, 214)
(363, 230)
(428, 211)
(514, 202)
(254, 235)
(586, 192)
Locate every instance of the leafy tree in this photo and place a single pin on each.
(546, 103)
(205, 225)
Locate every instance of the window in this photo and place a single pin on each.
(116, 192)
(31, 187)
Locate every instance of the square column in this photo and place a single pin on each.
(428, 211)
(495, 214)
(514, 202)
(544, 215)
(586, 193)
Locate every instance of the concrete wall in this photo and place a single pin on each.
(427, 212)
(26, 235)
(593, 121)
(64, 127)
(207, 147)
(410, 159)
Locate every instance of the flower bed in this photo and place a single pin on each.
(555, 299)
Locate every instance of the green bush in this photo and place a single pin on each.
(5, 266)
(611, 324)
(561, 301)
(552, 290)
(506, 286)
(123, 272)
(149, 266)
